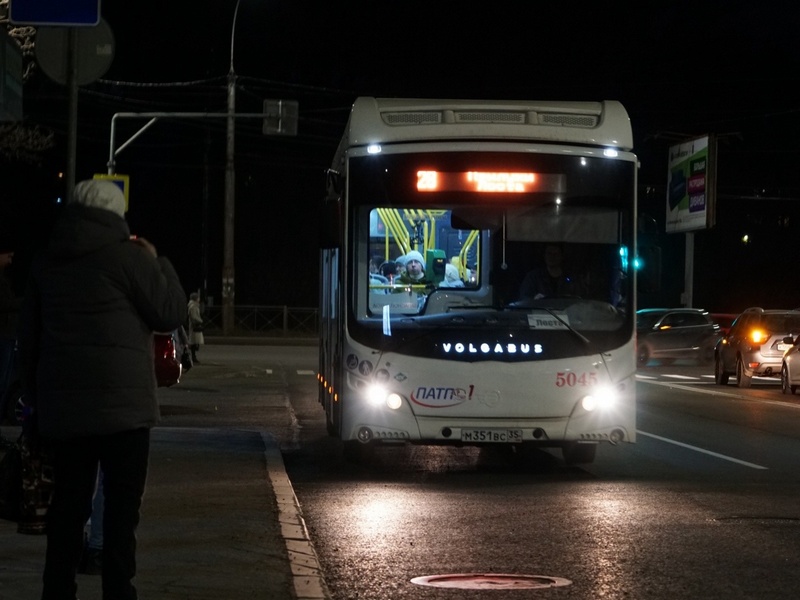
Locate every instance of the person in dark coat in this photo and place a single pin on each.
(93, 300)
(9, 306)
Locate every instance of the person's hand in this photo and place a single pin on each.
(145, 244)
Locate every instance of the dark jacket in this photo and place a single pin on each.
(86, 327)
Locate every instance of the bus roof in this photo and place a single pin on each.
(387, 120)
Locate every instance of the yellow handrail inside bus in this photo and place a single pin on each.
(462, 256)
(394, 224)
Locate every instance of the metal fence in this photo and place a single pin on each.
(265, 320)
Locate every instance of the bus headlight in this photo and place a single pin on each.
(394, 401)
(378, 396)
(601, 398)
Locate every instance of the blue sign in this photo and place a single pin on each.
(69, 13)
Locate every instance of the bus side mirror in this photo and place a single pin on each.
(330, 223)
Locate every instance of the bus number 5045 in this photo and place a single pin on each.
(571, 379)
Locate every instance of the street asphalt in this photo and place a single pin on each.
(220, 521)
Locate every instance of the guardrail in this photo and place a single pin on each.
(265, 320)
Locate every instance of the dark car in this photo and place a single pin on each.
(755, 345)
(671, 333)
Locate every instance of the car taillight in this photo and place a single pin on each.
(758, 337)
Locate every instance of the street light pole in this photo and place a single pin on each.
(228, 273)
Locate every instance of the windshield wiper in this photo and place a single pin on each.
(569, 327)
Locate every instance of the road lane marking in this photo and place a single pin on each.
(716, 391)
(675, 376)
(696, 449)
(305, 372)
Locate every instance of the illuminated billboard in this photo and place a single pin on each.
(691, 185)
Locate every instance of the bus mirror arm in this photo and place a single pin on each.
(330, 221)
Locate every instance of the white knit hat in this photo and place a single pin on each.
(99, 193)
(414, 255)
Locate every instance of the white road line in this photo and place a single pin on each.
(696, 449)
(674, 376)
(716, 390)
(269, 371)
(305, 372)
(645, 377)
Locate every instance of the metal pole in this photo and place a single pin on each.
(688, 273)
(72, 84)
(228, 272)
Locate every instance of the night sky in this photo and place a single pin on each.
(682, 69)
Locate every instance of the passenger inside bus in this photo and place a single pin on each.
(390, 270)
(415, 270)
(451, 277)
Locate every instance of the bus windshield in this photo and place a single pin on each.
(523, 242)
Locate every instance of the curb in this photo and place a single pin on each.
(307, 578)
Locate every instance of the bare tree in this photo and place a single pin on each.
(24, 35)
(19, 141)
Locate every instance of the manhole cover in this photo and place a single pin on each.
(491, 581)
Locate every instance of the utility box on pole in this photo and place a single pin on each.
(280, 117)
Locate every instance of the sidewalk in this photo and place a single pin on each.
(220, 521)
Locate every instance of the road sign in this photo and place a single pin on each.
(69, 13)
(94, 52)
(280, 117)
(122, 181)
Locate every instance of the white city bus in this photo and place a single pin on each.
(479, 189)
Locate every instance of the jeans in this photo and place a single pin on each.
(95, 541)
(123, 458)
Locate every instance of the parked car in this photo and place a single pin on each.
(755, 345)
(167, 359)
(672, 333)
(790, 366)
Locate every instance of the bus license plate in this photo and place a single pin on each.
(491, 435)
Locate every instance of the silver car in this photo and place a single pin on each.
(790, 367)
(755, 345)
